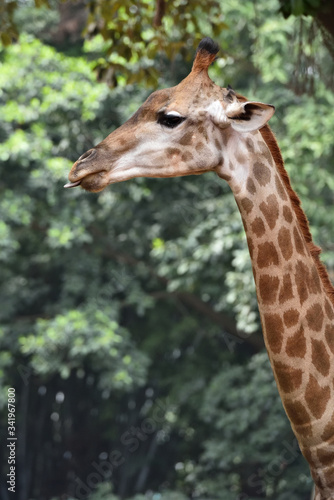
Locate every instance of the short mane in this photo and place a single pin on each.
(315, 251)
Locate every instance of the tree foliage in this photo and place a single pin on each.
(137, 33)
(135, 37)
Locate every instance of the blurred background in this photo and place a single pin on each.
(128, 321)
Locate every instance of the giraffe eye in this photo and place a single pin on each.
(170, 120)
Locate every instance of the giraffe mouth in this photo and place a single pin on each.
(72, 184)
(93, 182)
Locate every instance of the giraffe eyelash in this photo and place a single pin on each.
(171, 119)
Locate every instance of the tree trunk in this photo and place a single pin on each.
(325, 16)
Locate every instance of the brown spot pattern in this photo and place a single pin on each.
(173, 151)
(267, 255)
(202, 130)
(270, 210)
(328, 433)
(261, 173)
(307, 280)
(329, 334)
(289, 378)
(296, 345)
(297, 413)
(329, 310)
(280, 189)
(254, 274)
(230, 165)
(187, 156)
(250, 246)
(298, 241)
(320, 357)
(199, 146)
(300, 277)
(287, 214)
(326, 457)
(286, 292)
(268, 288)
(258, 227)
(329, 477)
(217, 144)
(250, 186)
(241, 159)
(266, 152)
(247, 205)
(291, 317)
(226, 177)
(309, 456)
(315, 283)
(316, 397)
(315, 317)
(250, 144)
(186, 139)
(274, 331)
(285, 243)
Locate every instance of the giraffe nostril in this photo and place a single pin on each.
(89, 155)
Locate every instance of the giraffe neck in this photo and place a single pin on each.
(295, 301)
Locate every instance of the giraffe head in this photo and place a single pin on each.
(177, 131)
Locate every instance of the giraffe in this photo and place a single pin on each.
(196, 127)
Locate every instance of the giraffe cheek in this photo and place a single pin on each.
(174, 156)
(187, 157)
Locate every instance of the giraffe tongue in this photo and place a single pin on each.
(72, 184)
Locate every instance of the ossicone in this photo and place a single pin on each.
(205, 54)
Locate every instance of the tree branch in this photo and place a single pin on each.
(223, 320)
(325, 16)
(159, 13)
(227, 324)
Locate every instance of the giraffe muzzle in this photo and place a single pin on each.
(80, 163)
(89, 155)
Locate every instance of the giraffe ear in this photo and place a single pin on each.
(248, 116)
